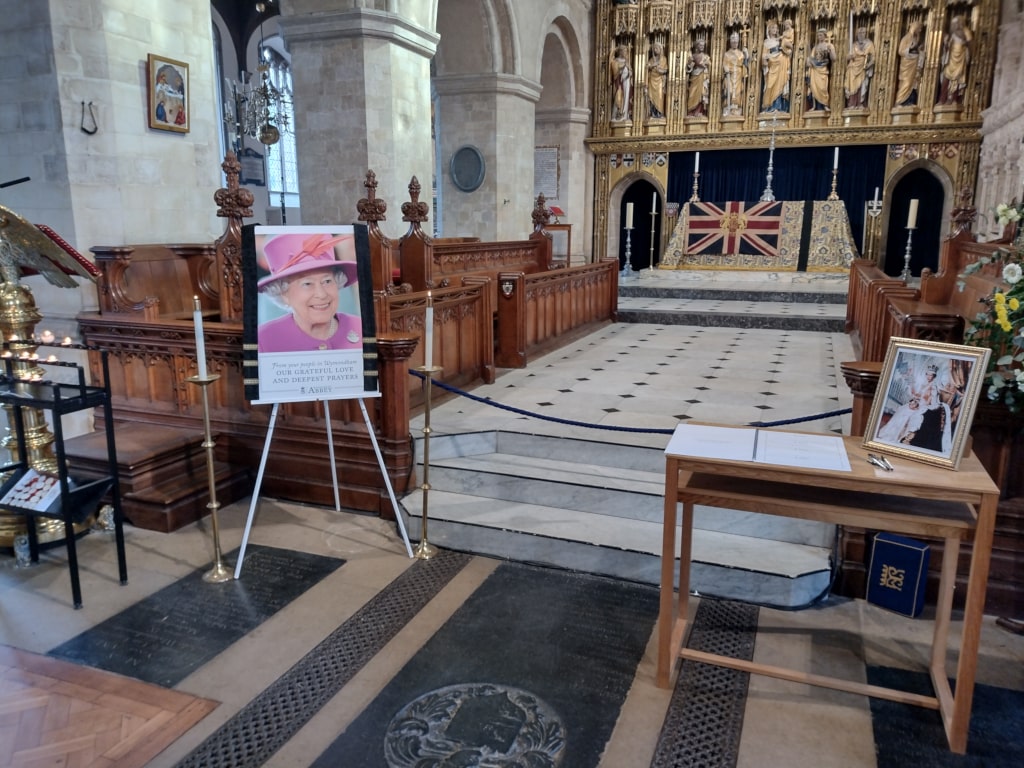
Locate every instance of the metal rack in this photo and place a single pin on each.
(78, 499)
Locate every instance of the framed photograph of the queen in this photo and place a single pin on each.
(925, 401)
(167, 85)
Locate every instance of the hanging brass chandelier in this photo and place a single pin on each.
(258, 107)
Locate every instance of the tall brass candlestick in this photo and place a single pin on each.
(871, 241)
(220, 572)
(425, 550)
(654, 218)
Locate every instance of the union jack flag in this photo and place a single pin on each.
(734, 228)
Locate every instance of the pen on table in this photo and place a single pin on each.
(879, 461)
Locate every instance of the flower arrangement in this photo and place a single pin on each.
(1001, 325)
(1007, 213)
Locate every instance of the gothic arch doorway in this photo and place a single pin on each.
(922, 185)
(645, 198)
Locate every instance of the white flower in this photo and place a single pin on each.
(1006, 213)
(1012, 273)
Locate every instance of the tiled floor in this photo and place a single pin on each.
(633, 376)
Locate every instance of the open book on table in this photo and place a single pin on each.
(763, 446)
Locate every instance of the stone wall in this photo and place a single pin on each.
(1001, 173)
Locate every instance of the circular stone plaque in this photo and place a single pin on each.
(475, 724)
(467, 168)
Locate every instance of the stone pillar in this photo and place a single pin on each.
(568, 129)
(495, 114)
(362, 102)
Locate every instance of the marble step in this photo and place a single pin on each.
(738, 292)
(678, 298)
(597, 507)
(587, 476)
(781, 316)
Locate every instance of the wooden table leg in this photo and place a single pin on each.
(666, 615)
(974, 610)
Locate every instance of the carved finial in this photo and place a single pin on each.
(234, 201)
(370, 207)
(415, 211)
(964, 214)
(541, 214)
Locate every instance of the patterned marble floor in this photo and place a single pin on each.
(624, 375)
(653, 376)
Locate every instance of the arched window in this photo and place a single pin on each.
(282, 164)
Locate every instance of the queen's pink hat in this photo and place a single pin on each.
(289, 255)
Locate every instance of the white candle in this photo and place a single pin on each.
(912, 215)
(629, 215)
(428, 334)
(696, 163)
(876, 194)
(654, 203)
(197, 318)
(47, 337)
(835, 160)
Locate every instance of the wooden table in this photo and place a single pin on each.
(914, 499)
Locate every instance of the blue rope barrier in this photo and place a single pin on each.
(642, 430)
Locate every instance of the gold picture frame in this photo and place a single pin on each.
(925, 401)
(168, 89)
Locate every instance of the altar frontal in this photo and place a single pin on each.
(777, 236)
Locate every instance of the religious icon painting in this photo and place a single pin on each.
(168, 91)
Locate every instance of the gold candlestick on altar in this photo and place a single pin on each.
(833, 195)
(654, 220)
(874, 208)
(695, 196)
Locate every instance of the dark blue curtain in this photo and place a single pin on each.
(798, 174)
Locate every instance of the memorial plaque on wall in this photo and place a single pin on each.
(253, 170)
(545, 172)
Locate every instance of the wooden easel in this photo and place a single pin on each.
(334, 477)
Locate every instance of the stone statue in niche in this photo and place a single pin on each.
(908, 76)
(698, 80)
(657, 74)
(735, 65)
(622, 84)
(956, 56)
(860, 68)
(775, 67)
(819, 73)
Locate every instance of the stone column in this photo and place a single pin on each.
(568, 129)
(362, 102)
(495, 114)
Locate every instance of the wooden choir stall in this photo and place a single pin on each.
(496, 304)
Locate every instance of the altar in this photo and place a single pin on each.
(776, 236)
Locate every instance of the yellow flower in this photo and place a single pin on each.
(1013, 304)
(999, 298)
(1005, 324)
